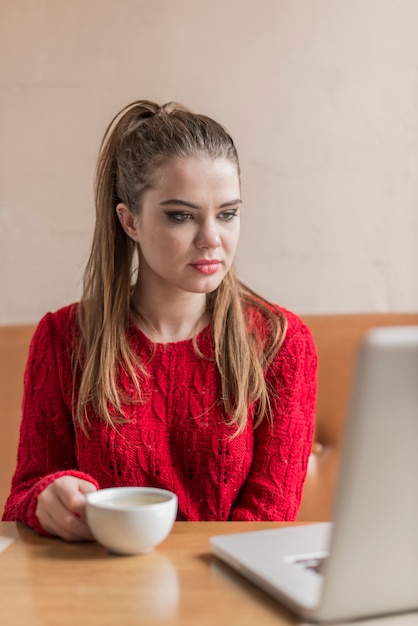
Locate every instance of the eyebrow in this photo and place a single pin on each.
(177, 202)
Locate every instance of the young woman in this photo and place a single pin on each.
(169, 372)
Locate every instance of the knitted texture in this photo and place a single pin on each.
(177, 439)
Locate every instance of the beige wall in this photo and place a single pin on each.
(321, 97)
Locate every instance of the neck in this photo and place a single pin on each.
(164, 319)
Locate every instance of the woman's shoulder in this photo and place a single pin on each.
(60, 323)
(294, 329)
(298, 332)
(295, 323)
(261, 313)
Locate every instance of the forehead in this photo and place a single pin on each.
(196, 174)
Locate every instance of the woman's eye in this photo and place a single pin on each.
(227, 216)
(179, 216)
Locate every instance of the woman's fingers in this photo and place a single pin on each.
(57, 520)
(61, 508)
(71, 493)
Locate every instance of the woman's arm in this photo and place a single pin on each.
(46, 449)
(273, 490)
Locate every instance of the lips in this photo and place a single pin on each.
(206, 267)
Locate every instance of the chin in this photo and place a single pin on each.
(209, 287)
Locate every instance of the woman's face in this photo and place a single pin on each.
(188, 226)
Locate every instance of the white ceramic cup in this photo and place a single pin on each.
(131, 520)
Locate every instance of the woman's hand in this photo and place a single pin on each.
(61, 508)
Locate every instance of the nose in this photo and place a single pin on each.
(208, 236)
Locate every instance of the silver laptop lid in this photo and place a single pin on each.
(374, 551)
(372, 568)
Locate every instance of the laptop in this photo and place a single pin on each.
(365, 562)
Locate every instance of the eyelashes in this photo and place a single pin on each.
(178, 216)
(185, 216)
(229, 215)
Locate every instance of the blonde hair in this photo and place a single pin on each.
(142, 138)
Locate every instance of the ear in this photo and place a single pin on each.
(126, 219)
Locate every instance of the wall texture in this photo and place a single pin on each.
(321, 97)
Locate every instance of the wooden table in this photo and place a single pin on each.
(53, 583)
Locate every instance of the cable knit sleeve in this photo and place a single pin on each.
(273, 489)
(46, 446)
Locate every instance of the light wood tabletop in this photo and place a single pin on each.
(54, 583)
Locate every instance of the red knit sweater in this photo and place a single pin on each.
(177, 439)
